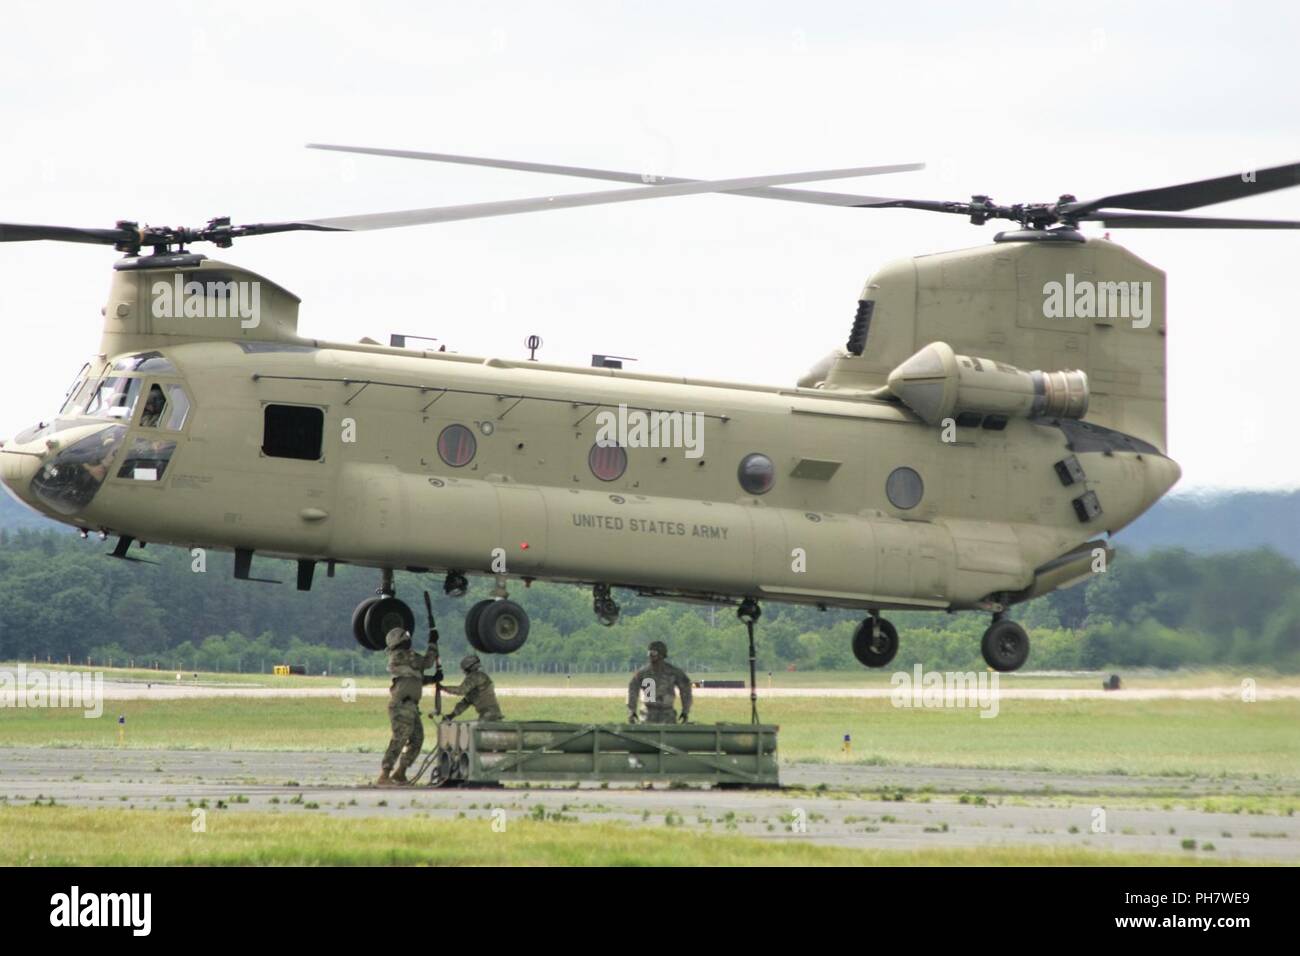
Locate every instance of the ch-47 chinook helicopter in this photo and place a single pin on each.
(995, 414)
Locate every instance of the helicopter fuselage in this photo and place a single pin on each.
(396, 459)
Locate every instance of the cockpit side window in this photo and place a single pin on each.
(178, 408)
(154, 407)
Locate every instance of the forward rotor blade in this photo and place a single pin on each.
(762, 192)
(415, 217)
(18, 232)
(1206, 192)
(1141, 220)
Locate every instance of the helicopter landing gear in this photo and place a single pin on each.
(455, 585)
(496, 627)
(1005, 644)
(875, 642)
(376, 616)
(603, 603)
(471, 624)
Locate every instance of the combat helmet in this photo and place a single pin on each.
(396, 637)
(469, 663)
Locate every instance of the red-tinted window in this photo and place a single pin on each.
(456, 445)
(607, 462)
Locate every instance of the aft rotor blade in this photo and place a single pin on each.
(619, 176)
(1205, 192)
(509, 207)
(1141, 220)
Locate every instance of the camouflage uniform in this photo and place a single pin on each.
(407, 668)
(667, 681)
(478, 692)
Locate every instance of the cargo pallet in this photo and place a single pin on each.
(488, 753)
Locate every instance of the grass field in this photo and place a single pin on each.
(1138, 679)
(63, 836)
(1162, 737)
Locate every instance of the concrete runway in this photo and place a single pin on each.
(1020, 808)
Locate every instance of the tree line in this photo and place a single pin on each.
(62, 599)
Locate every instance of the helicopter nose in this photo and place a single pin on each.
(17, 469)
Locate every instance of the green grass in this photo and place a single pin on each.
(1165, 737)
(861, 677)
(64, 836)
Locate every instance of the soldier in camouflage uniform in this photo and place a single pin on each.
(477, 691)
(407, 669)
(661, 681)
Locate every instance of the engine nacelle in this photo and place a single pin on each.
(937, 383)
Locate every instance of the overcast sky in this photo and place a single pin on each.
(178, 113)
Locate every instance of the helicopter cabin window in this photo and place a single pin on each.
(756, 474)
(457, 445)
(115, 397)
(607, 462)
(293, 431)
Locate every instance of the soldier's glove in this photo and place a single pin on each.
(437, 676)
(682, 718)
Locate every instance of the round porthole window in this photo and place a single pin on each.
(904, 488)
(457, 445)
(757, 474)
(607, 462)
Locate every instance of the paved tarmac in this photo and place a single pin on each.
(860, 806)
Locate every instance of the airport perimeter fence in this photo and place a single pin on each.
(369, 665)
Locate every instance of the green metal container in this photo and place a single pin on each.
(492, 752)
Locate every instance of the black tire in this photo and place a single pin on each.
(503, 627)
(1005, 646)
(359, 624)
(471, 625)
(384, 615)
(875, 646)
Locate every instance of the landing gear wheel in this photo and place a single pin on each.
(382, 616)
(359, 625)
(875, 642)
(503, 627)
(471, 625)
(1005, 645)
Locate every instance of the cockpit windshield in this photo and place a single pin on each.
(145, 362)
(115, 398)
(72, 399)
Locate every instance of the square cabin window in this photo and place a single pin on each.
(293, 431)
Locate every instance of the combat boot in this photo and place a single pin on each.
(399, 778)
(385, 780)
